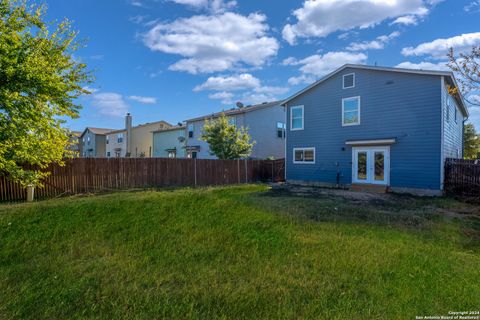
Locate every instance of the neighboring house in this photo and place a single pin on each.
(169, 143)
(116, 143)
(93, 142)
(265, 123)
(133, 141)
(375, 126)
(74, 138)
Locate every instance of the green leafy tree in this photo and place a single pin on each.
(39, 82)
(471, 142)
(226, 141)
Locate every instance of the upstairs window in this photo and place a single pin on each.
(190, 130)
(281, 130)
(349, 81)
(351, 111)
(108, 139)
(296, 118)
(304, 155)
(120, 137)
(88, 140)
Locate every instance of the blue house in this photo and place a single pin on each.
(376, 127)
(169, 142)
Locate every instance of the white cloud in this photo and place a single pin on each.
(378, 43)
(137, 3)
(230, 83)
(110, 104)
(318, 65)
(225, 97)
(439, 48)
(406, 20)
(472, 6)
(319, 18)
(215, 42)
(211, 5)
(145, 100)
(424, 65)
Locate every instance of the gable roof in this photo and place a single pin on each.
(235, 111)
(96, 130)
(173, 128)
(448, 74)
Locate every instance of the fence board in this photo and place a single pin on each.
(83, 175)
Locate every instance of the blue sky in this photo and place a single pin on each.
(176, 59)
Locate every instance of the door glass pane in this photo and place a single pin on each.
(362, 165)
(309, 156)
(379, 166)
(298, 155)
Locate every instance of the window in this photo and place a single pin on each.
(351, 111)
(108, 139)
(349, 81)
(232, 121)
(172, 154)
(281, 130)
(192, 154)
(296, 118)
(120, 137)
(88, 140)
(108, 154)
(190, 130)
(455, 113)
(304, 155)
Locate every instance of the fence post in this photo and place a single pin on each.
(195, 171)
(238, 170)
(246, 171)
(30, 193)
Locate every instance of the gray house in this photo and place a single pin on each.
(169, 143)
(365, 126)
(92, 142)
(265, 123)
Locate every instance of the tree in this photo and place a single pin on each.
(39, 82)
(226, 141)
(467, 68)
(471, 142)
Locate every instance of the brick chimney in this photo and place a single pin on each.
(128, 127)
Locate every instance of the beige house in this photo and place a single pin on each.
(133, 141)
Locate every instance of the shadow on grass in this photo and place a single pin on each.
(439, 218)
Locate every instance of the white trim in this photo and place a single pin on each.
(370, 151)
(343, 80)
(370, 142)
(443, 104)
(343, 111)
(303, 149)
(291, 117)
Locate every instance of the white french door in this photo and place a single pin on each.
(371, 165)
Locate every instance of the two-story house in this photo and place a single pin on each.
(169, 143)
(265, 123)
(373, 126)
(92, 142)
(133, 141)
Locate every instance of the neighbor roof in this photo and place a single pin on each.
(235, 111)
(169, 129)
(97, 130)
(450, 78)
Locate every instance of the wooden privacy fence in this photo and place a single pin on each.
(98, 174)
(462, 177)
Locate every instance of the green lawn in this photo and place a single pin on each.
(236, 253)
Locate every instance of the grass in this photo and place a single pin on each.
(235, 253)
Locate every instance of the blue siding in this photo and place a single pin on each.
(393, 105)
(168, 139)
(452, 130)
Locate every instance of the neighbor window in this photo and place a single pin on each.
(296, 118)
(108, 139)
(349, 81)
(190, 130)
(172, 154)
(108, 154)
(120, 137)
(88, 140)
(351, 111)
(303, 155)
(281, 130)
